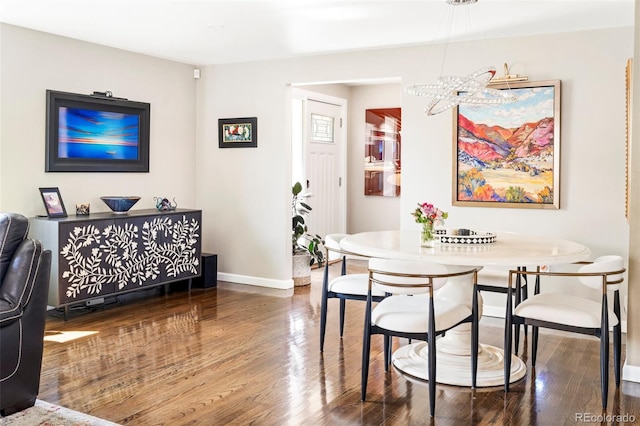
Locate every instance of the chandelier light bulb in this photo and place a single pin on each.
(450, 91)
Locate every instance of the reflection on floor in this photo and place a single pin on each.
(246, 355)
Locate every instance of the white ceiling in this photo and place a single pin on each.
(204, 32)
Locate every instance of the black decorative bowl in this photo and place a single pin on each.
(120, 204)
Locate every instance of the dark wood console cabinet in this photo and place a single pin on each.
(105, 254)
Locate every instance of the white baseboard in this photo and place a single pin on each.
(260, 282)
(631, 373)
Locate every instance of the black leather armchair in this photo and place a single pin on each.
(24, 284)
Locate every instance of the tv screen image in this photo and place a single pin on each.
(88, 133)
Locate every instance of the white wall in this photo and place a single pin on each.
(368, 212)
(591, 67)
(336, 90)
(245, 193)
(32, 62)
(248, 209)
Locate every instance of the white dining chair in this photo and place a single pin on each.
(573, 313)
(412, 311)
(344, 287)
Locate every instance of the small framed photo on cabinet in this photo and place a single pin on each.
(53, 202)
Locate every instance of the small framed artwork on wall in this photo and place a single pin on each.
(238, 132)
(53, 202)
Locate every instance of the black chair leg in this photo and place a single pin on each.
(431, 355)
(323, 306)
(617, 348)
(387, 352)
(431, 358)
(604, 351)
(366, 347)
(617, 339)
(534, 345)
(343, 306)
(604, 369)
(508, 327)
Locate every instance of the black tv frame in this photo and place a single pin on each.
(101, 102)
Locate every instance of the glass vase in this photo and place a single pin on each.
(426, 235)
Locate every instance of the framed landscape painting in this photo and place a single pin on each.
(509, 155)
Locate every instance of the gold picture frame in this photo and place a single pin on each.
(509, 155)
(627, 153)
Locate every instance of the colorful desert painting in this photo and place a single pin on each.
(506, 152)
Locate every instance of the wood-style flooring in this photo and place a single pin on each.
(239, 355)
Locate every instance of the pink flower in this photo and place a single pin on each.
(427, 213)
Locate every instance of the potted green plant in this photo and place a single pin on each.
(306, 248)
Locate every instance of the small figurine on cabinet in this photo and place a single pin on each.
(163, 204)
(82, 209)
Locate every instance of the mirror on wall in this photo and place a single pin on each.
(382, 152)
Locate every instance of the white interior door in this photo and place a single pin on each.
(324, 167)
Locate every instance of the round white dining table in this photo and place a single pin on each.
(510, 250)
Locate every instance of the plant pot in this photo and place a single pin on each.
(301, 269)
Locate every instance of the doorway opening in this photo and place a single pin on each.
(319, 151)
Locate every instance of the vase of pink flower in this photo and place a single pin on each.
(428, 215)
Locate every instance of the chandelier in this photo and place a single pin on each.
(450, 91)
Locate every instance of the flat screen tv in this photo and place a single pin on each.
(96, 133)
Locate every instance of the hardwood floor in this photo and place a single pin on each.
(241, 355)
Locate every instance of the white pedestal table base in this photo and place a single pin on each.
(456, 369)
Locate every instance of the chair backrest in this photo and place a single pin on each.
(21, 264)
(610, 263)
(22, 276)
(332, 241)
(13, 230)
(332, 245)
(407, 277)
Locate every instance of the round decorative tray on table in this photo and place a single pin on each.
(464, 237)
